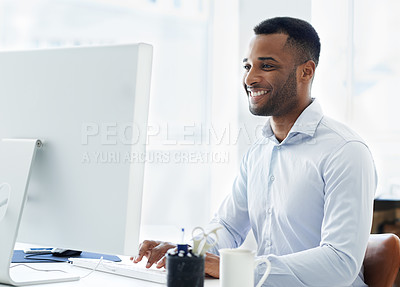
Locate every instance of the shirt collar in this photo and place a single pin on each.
(306, 123)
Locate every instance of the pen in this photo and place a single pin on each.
(182, 247)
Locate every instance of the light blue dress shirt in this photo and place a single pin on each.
(308, 201)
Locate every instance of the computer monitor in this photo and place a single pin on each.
(88, 108)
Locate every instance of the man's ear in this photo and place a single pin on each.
(308, 69)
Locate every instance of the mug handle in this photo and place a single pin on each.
(264, 277)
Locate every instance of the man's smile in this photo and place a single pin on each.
(256, 95)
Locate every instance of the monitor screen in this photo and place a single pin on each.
(88, 106)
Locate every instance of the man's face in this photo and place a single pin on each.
(270, 76)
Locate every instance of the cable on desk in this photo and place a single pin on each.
(94, 269)
(42, 270)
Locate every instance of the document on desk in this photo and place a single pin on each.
(20, 256)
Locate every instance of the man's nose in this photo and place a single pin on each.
(252, 77)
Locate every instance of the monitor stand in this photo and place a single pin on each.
(16, 157)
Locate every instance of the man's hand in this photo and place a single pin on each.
(154, 251)
(211, 265)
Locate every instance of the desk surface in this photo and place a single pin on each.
(100, 279)
(97, 278)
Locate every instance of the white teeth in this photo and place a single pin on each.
(259, 93)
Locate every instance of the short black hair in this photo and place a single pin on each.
(301, 36)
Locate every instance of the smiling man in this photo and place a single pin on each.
(306, 187)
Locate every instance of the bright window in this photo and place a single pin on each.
(359, 74)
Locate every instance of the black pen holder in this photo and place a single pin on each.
(185, 271)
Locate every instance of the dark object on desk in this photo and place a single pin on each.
(20, 257)
(386, 216)
(59, 252)
(382, 260)
(386, 203)
(183, 271)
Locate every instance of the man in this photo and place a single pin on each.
(306, 187)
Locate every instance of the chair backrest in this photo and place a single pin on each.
(382, 260)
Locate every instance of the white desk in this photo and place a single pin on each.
(98, 278)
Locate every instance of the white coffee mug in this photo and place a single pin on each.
(236, 268)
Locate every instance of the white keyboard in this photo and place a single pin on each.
(124, 269)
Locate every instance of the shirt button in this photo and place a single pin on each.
(278, 147)
(272, 178)
(268, 242)
(269, 210)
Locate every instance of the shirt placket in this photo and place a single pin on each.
(272, 177)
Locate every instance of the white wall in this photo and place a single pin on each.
(223, 113)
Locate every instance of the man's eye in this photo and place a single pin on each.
(266, 66)
(247, 67)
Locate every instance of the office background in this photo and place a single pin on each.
(199, 124)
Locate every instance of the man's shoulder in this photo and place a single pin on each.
(335, 129)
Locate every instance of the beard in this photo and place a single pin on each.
(280, 101)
